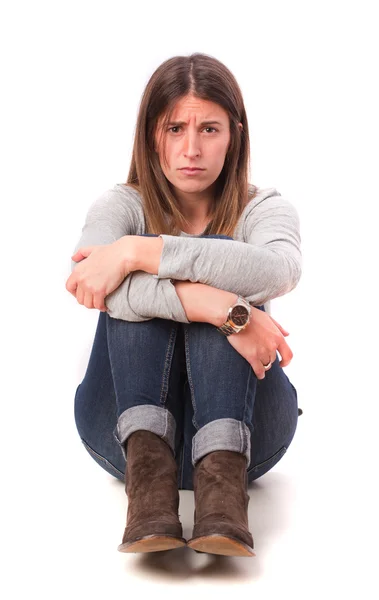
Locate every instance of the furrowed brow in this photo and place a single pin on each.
(177, 123)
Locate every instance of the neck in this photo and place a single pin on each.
(196, 207)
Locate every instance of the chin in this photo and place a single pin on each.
(192, 189)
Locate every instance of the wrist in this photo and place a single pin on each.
(129, 252)
(146, 253)
(225, 302)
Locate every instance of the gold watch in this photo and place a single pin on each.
(238, 317)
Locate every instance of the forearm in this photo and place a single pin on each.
(143, 253)
(200, 302)
(262, 263)
(141, 297)
(204, 303)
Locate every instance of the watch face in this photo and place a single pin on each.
(239, 315)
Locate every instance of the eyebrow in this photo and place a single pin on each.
(203, 123)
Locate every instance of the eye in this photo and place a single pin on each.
(179, 127)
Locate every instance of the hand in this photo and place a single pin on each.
(258, 342)
(103, 269)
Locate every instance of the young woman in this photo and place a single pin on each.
(184, 388)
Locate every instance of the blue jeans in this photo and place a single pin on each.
(187, 384)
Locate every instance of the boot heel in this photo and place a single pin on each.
(152, 543)
(219, 544)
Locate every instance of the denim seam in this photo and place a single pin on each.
(189, 377)
(282, 450)
(166, 425)
(181, 464)
(167, 366)
(105, 460)
(244, 432)
(241, 437)
(246, 392)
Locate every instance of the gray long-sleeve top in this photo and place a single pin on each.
(262, 262)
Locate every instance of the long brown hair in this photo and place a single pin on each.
(207, 78)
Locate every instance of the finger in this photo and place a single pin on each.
(273, 358)
(80, 294)
(286, 354)
(77, 257)
(88, 300)
(268, 361)
(71, 284)
(83, 252)
(98, 301)
(282, 330)
(73, 293)
(258, 368)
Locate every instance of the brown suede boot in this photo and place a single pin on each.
(221, 501)
(153, 496)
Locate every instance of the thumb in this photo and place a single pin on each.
(82, 253)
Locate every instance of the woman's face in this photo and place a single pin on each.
(197, 136)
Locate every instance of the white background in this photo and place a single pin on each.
(72, 75)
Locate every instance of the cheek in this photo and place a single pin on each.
(170, 153)
(218, 154)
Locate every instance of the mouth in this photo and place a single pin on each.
(191, 171)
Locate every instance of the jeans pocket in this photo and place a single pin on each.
(267, 464)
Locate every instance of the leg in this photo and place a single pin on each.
(270, 413)
(136, 360)
(273, 427)
(223, 389)
(96, 409)
(274, 421)
(141, 356)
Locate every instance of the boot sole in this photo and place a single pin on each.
(220, 544)
(152, 543)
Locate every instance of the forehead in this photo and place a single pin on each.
(190, 107)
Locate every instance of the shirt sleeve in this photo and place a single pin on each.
(111, 216)
(140, 297)
(265, 266)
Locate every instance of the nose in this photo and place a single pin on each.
(191, 144)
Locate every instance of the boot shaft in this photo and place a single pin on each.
(150, 477)
(220, 487)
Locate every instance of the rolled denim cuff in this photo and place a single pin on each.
(221, 434)
(156, 419)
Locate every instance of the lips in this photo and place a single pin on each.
(191, 172)
(190, 169)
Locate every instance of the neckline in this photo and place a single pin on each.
(184, 233)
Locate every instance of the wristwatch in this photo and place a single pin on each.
(238, 317)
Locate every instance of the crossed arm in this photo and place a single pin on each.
(267, 266)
